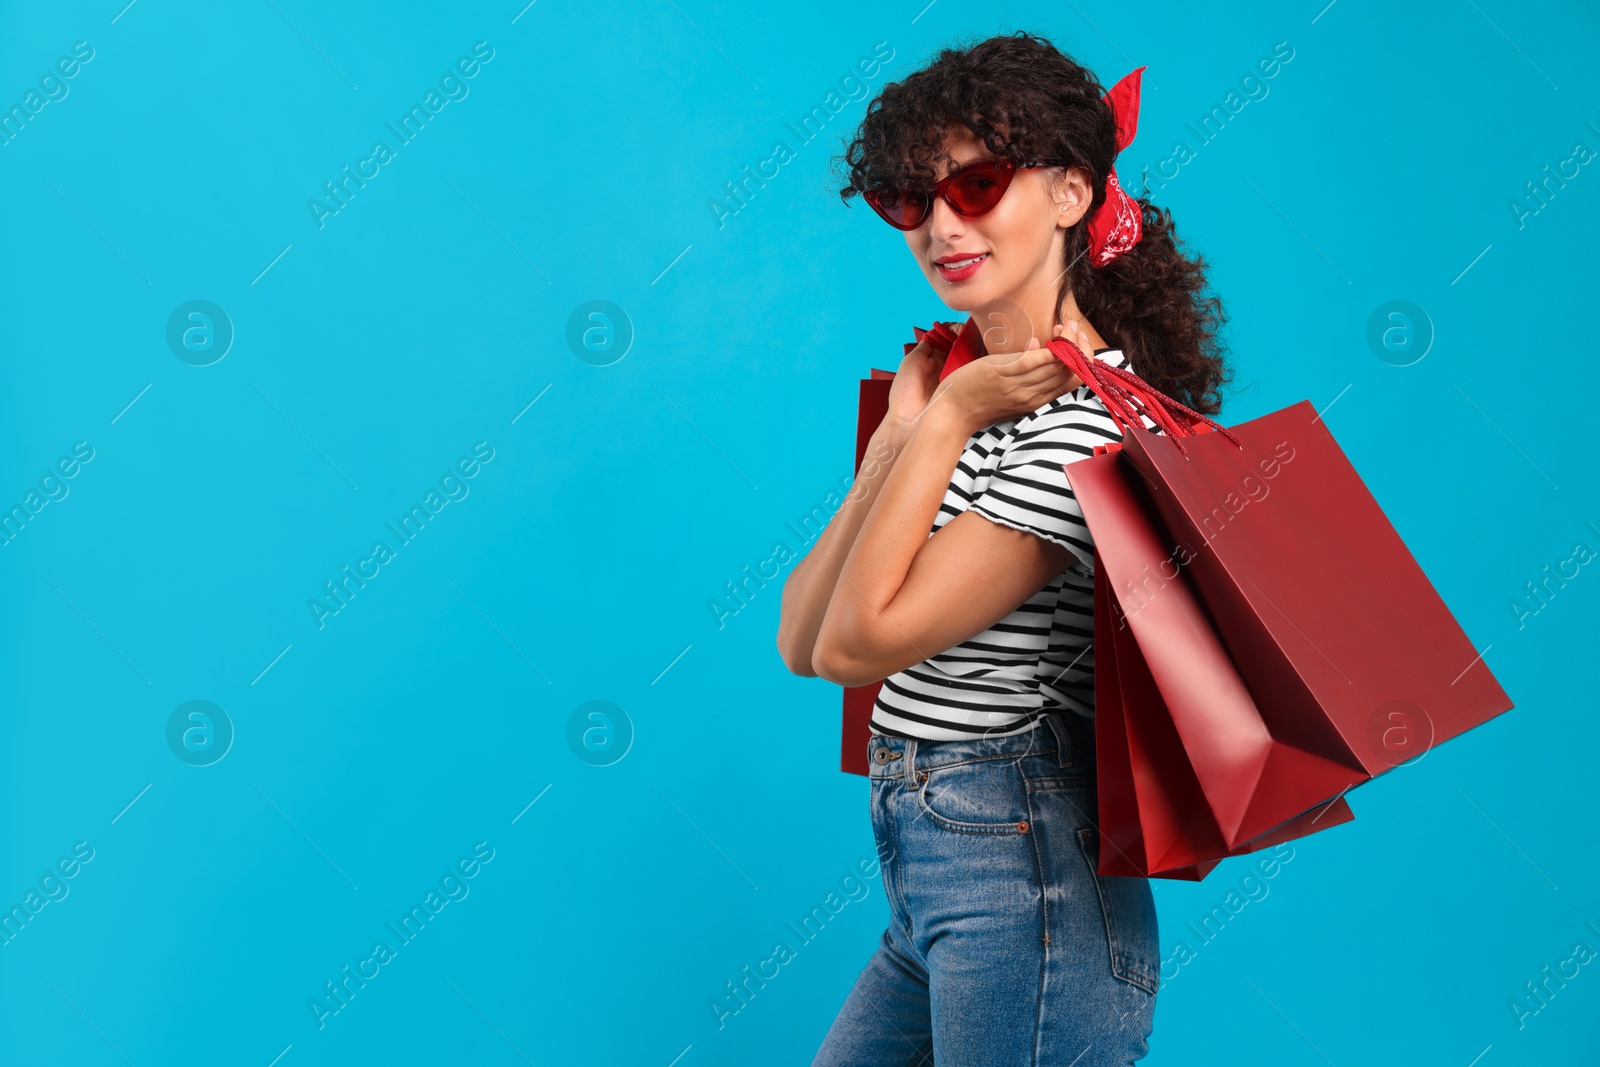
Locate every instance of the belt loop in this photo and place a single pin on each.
(1058, 726)
(908, 760)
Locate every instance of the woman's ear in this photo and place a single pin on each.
(1073, 194)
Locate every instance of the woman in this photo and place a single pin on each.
(1005, 946)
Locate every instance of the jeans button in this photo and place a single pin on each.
(882, 755)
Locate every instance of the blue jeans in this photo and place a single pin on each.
(1004, 946)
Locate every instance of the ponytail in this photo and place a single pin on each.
(1152, 302)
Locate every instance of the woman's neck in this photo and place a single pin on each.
(1004, 321)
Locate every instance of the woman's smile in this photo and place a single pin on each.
(959, 267)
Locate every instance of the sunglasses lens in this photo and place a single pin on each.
(978, 189)
(903, 209)
(972, 191)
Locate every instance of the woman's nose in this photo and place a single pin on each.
(944, 221)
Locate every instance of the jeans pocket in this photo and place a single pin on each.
(986, 796)
(1129, 909)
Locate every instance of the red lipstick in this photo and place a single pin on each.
(960, 266)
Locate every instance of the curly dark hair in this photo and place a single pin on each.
(1025, 99)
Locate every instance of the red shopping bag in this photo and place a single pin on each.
(873, 406)
(1272, 615)
(1154, 819)
(858, 699)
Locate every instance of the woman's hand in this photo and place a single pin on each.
(1010, 384)
(916, 381)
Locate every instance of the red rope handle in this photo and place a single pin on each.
(1125, 395)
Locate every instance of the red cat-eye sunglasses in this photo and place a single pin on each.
(970, 191)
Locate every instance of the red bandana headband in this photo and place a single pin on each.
(1118, 223)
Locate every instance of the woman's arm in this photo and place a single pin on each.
(903, 596)
(810, 585)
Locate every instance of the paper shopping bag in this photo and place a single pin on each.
(858, 699)
(1348, 661)
(1323, 656)
(1154, 817)
(873, 406)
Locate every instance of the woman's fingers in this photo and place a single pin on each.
(1081, 339)
(1037, 355)
(1042, 357)
(926, 350)
(1052, 374)
(1038, 375)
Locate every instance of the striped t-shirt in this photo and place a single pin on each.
(1040, 658)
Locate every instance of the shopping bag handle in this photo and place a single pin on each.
(941, 336)
(1123, 392)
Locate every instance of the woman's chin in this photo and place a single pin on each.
(961, 297)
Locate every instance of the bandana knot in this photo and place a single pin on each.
(1117, 224)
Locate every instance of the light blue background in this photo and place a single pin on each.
(428, 714)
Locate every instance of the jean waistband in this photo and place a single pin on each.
(1064, 737)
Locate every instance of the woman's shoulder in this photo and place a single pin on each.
(1076, 410)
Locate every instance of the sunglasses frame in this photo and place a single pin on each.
(1004, 170)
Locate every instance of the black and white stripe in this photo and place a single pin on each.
(1040, 658)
